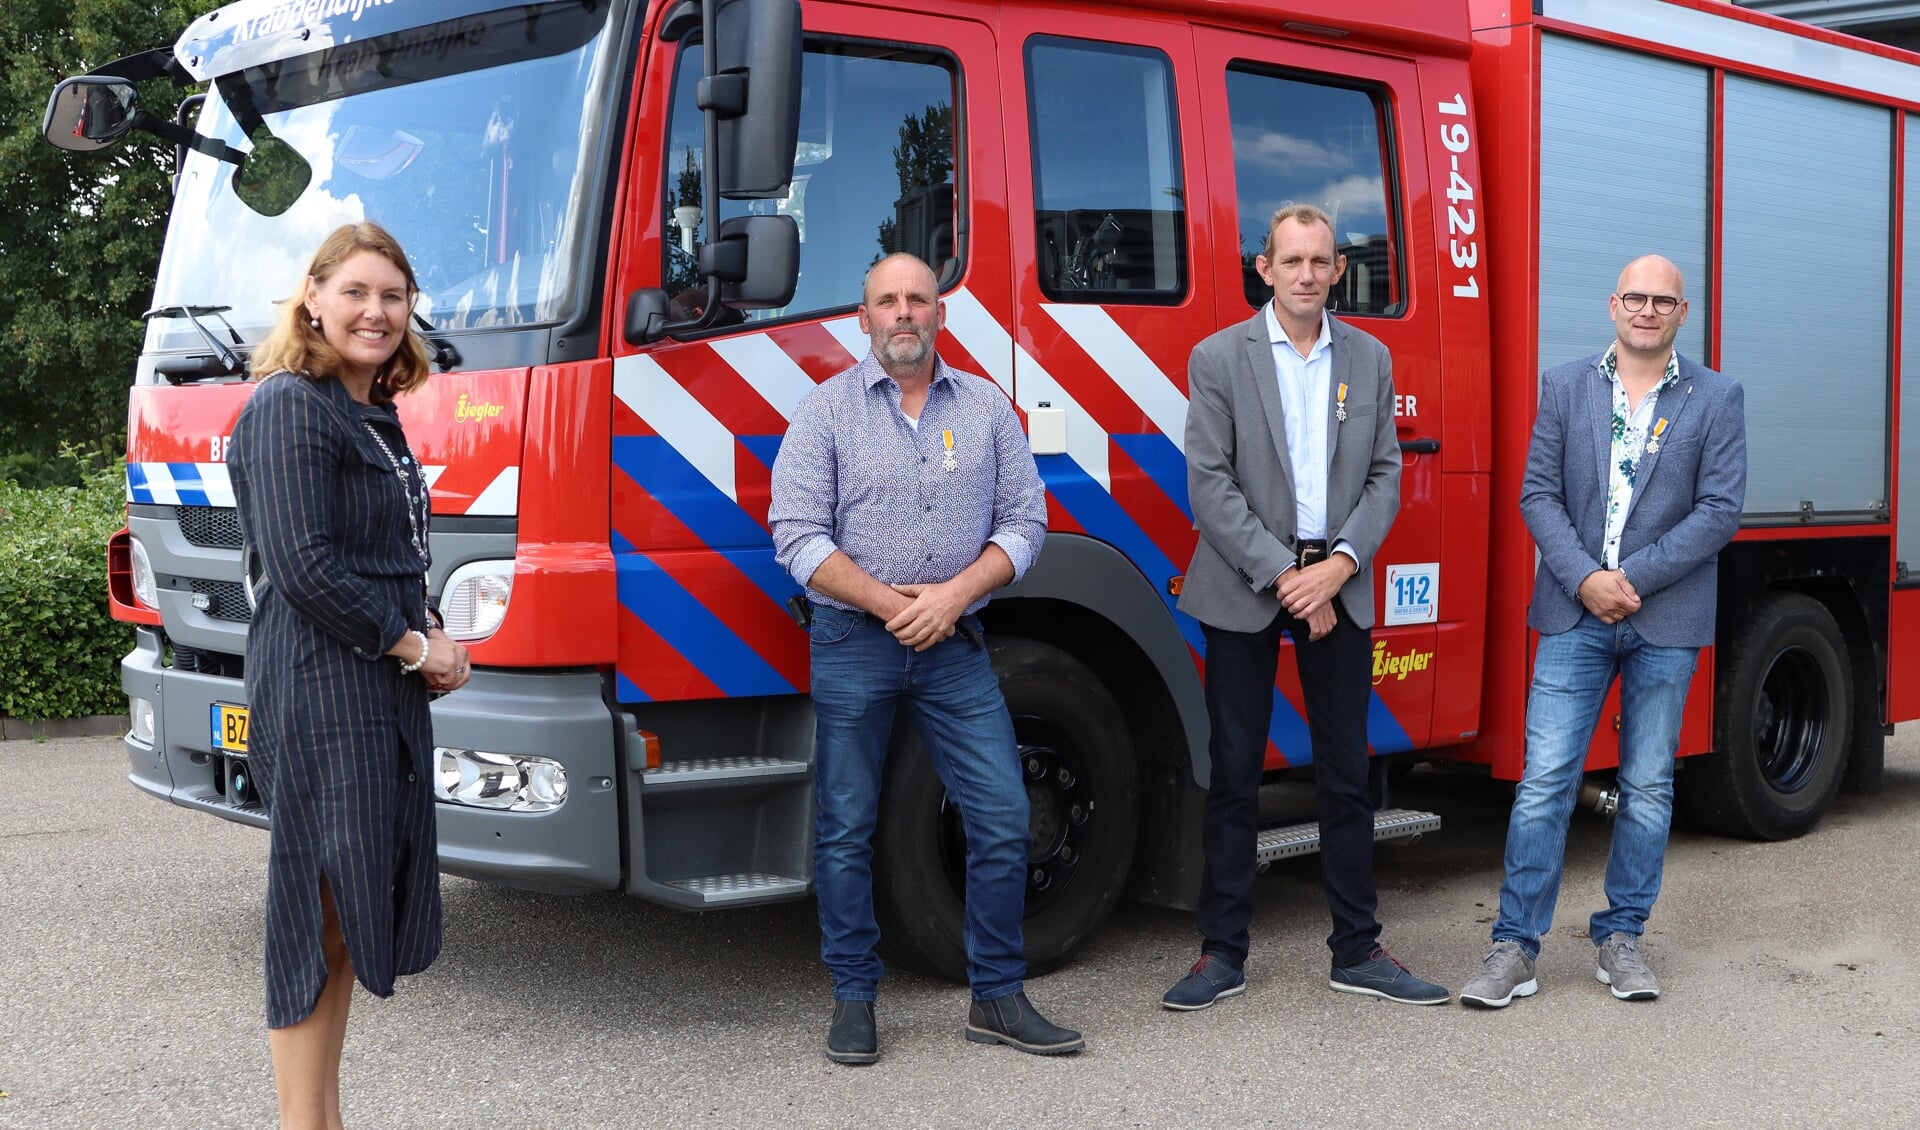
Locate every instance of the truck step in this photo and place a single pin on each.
(718, 890)
(1304, 839)
(711, 772)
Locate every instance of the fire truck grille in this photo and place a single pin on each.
(210, 527)
(226, 600)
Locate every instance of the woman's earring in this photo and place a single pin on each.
(314, 322)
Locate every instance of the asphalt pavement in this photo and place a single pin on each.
(130, 993)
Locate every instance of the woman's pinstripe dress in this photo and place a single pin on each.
(341, 741)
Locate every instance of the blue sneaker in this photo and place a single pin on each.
(1381, 975)
(1211, 978)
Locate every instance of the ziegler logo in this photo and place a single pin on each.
(462, 411)
(1398, 666)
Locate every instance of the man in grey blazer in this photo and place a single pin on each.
(1293, 473)
(1635, 480)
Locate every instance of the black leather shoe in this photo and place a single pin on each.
(851, 1039)
(1011, 1020)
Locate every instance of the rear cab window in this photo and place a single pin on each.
(1110, 202)
(1301, 140)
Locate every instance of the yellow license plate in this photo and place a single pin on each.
(229, 728)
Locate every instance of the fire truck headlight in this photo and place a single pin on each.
(145, 590)
(474, 601)
(513, 782)
(140, 711)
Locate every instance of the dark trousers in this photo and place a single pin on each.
(1337, 680)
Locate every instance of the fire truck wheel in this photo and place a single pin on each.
(1782, 717)
(1083, 793)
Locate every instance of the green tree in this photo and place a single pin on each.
(79, 233)
(923, 160)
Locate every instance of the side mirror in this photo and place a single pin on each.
(753, 84)
(647, 315)
(757, 259)
(89, 112)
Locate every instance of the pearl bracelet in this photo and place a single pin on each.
(426, 647)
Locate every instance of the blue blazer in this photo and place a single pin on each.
(1687, 499)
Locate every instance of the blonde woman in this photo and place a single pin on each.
(341, 656)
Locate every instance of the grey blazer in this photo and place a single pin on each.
(1687, 499)
(1240, 475)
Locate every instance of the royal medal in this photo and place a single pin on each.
(1653, 445)
(1340, 404)
(948, 462)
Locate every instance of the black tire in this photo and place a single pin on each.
(1083, 785)
(1783, 715)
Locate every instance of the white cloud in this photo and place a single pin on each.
(1354, 197)
(1285, 153)
(1348, 200)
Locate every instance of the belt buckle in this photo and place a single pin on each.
(1312, 554)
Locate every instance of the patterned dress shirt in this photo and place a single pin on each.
(908, 505)
(1630, 428)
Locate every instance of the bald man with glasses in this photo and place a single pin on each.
(1635, 480)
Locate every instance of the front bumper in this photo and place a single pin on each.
(576, 847)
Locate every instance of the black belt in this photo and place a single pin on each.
(1311, 551)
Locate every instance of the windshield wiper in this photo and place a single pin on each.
(190, 368)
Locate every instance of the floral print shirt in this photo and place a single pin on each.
(1630, 429)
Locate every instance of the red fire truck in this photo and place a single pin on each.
(629, 286)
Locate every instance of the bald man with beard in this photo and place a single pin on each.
(904, 495)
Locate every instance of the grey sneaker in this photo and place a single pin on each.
(1622, 969)
(1505, 973)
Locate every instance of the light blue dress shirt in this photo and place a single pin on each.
(1304, 395)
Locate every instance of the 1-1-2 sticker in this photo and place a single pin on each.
(1413, 594)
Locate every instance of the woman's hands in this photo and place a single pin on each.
(447, 667)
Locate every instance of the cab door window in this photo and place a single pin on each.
(1110, 205)
(1303, 142)
(876, 171)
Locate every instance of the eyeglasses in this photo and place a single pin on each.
(1635, 302)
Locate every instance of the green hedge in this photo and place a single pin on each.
(60, 649)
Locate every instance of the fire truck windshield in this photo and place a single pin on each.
(469, 139)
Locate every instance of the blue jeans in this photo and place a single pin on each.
(1571, 674)
(861, 675)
